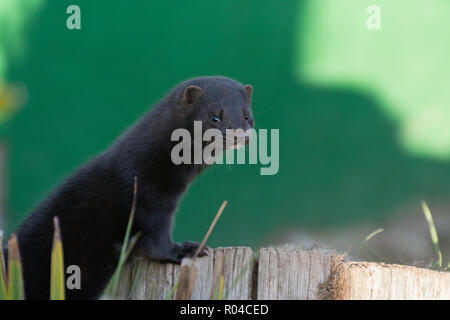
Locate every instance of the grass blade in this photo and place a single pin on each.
(186, 279)
(433, 233)
(172, 291)
(219, 265)
(211, 227)
(137, 278)
(370, 236)
(221, 285)
(15, 277)
(111, 288)
(3, 282)
(57, 285)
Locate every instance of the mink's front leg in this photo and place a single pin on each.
(155, 242)
(174, 252)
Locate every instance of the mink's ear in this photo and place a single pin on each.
(191, 94)
(249, 90)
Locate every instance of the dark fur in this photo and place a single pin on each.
(94, 204)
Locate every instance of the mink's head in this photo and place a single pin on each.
(219, 103)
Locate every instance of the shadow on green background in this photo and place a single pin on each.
(339, 159)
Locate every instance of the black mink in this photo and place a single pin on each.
(94, 203)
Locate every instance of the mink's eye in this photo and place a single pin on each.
(215, 119)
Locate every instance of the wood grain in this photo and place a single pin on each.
(379, 281)
(292, 274)
(149, 280)
(282, 274)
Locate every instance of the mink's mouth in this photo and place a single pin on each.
(236, 142)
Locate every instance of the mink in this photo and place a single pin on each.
(93, 204)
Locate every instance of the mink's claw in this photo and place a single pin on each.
(204, 251)
(189, 248)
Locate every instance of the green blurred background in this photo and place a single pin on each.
(364, 115)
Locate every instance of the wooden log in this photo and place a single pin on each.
(144, 280)
(283, 274)
(292, 274)
(238, 270)
(379, 281)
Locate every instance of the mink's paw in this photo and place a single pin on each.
(172, 252)
(189, 248)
